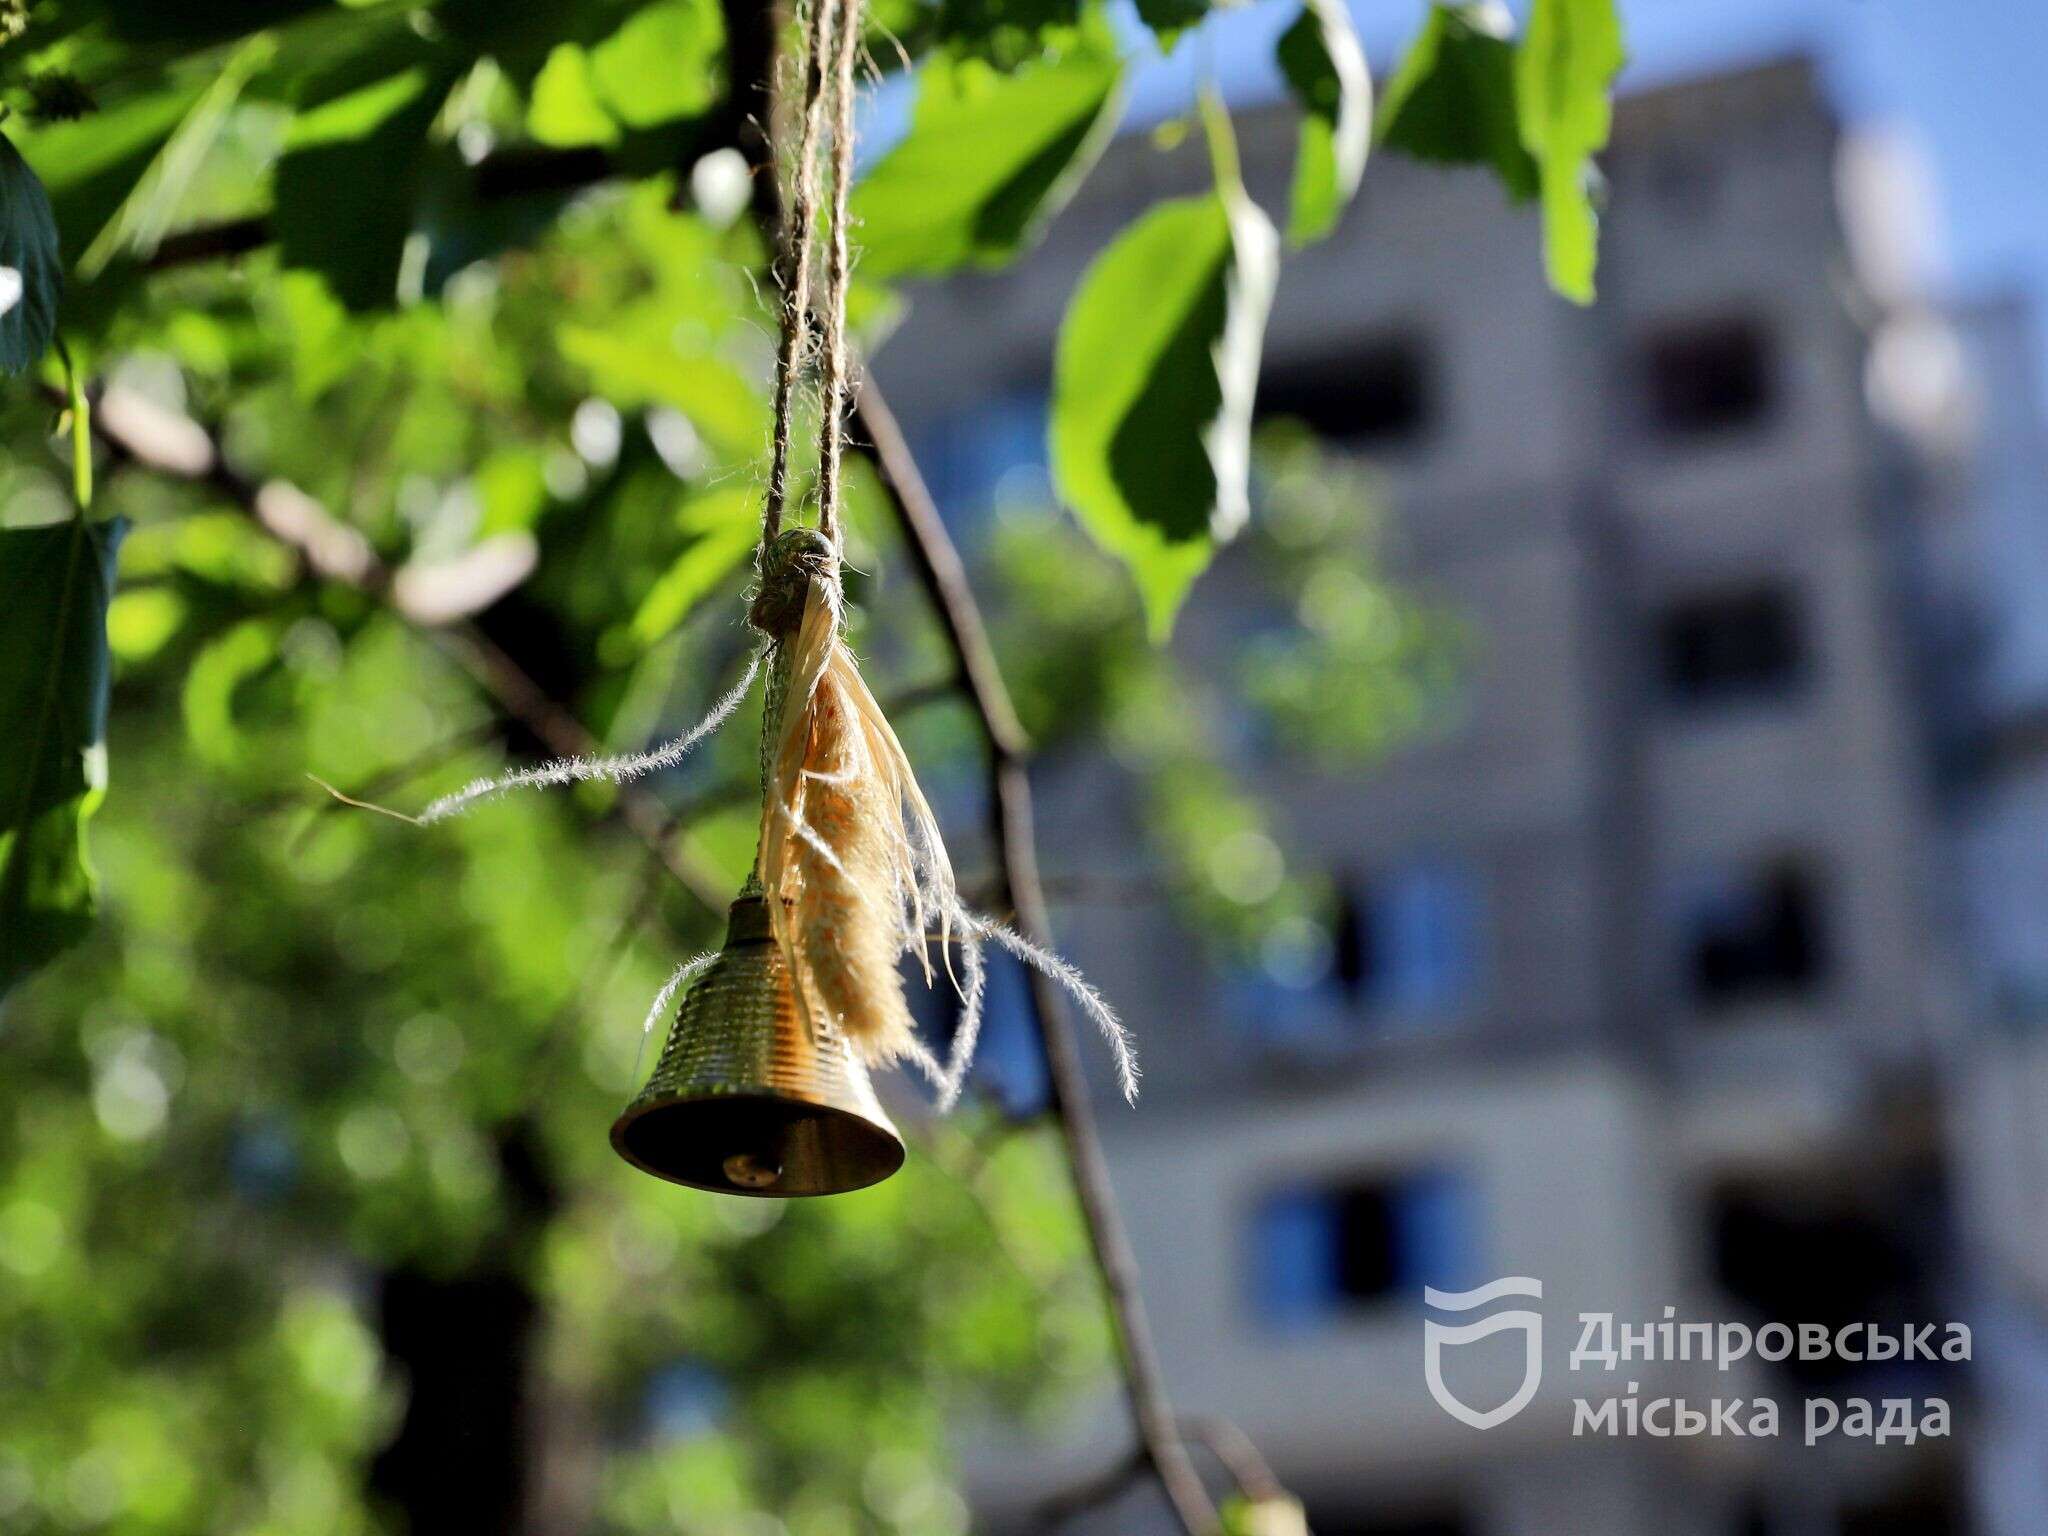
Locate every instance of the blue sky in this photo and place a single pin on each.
(1967, 80)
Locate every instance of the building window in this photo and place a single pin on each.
(1347, 1521)
(1401, 948)
(1708, 377)
(1756, 939)
(1009, 1062)
(1803, 1253)
(1732, 645)
(1322, 1250)
(1376, 394)
(1406, 942)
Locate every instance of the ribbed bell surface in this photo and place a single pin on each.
(745, 1100)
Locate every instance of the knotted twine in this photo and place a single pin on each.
(850, 859)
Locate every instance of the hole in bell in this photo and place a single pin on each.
(758, 1144)
(750, 1170)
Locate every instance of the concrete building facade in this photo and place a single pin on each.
(1680, 891)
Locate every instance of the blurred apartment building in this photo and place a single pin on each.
(1700, 964)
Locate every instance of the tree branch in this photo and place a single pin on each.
(139, 432)
(944, 579)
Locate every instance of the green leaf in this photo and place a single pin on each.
(1007, 33)
(989, 159)
(348, 184)
(662, 64)
(31, 273)
(1564, 70)
(55, 584)
(564, 110)
(1153, 379)
(630, 368)
(1325, 68)
(146, 212)
(91, 166)
(1452, 101)
(723, 526)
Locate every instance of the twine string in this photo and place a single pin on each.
(799, 230)
(834, 392)
(831, 45)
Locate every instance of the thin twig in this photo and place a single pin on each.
(944, 579)
(750, 58)
(1234, 1451)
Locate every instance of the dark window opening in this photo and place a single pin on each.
(1757, 941)
(1708, 377)
(1732, 645)
(1321, 1250)
(1375, 394)
(1407, 942)
(1930, 1505)
(1791, 1255)
(1352, 961)
(1009, 1064)
(1368, 1245)
(1340, 1522)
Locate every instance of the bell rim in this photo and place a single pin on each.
(888, 1166)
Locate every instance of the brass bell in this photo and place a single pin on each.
(745, 1100)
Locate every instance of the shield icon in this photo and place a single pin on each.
(1436, 1335)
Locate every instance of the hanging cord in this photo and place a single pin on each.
(832, 46)
(835, 392)
(797, 236)
(572, 770)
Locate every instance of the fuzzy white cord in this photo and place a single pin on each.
(1090, 1001)
(683, 974)
(577, 770)
(973, 989)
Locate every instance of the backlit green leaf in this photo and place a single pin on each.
(662, 64)
(92, 165)
(348, 185)
(721, 526)
(639, 369)
(1452, 100)
(147, 211)
(1170, 18)
(55, 584)
(989, 159)
(1156, 367)
(564, 110)
(1564, 68)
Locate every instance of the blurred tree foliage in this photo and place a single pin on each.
(444, 326)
